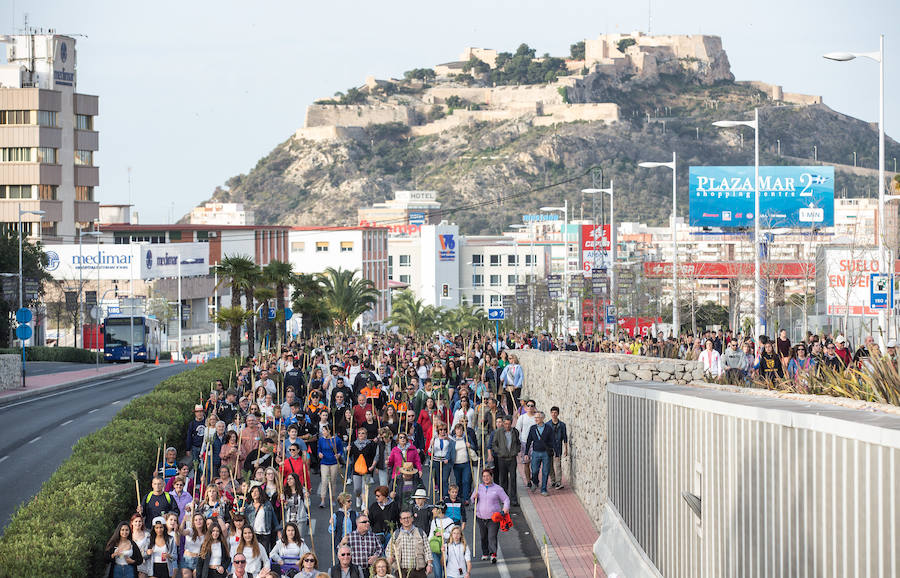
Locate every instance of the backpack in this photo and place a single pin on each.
(166, 494)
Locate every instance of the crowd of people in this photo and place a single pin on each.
(413, 443)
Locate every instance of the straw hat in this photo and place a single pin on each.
(408, 468)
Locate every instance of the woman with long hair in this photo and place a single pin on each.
(253, 550)
(390, 419)
(384, 444)
(457, 557)
(214, 555)
(123, 553)
(194, 532)
(293, 498)
(261, 518)
(230, 452)
(162, 551)
(309, 566)
(427, 418)
(213, 507)
(289, 549)
(331, 450)
(141, 537)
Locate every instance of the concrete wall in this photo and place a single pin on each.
(10, 371)
(577, 383)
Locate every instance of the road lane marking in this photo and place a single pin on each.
(3, 459)
(67, 422)
(501, 563)
(115, 402)
(73, 389)
(95, 409)
(35, 439)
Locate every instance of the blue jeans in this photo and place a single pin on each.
(537, 459)
(123, 571)
(463, 475)
(437, 565)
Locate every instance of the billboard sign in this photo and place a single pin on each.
(848, 278)
(789, 196)
(162, 260)
(595, 248)
(416, 218)
(881, 292)
(89, 260)
(447, 251)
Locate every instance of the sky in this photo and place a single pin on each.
(194, 92)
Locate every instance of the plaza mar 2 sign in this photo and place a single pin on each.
(847, 279)
(789, 196)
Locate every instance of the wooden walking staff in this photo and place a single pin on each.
(158, 450)
(349, 441)
(334, 520)
(137, 487)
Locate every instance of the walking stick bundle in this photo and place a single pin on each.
(137, 487)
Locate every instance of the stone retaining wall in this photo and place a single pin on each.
(10, 371)
(576, 382)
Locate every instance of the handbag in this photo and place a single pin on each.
(435, 542)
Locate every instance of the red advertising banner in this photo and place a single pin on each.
(595, 247)
(638, 325)
(730, 270)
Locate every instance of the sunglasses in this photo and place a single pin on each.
(240, 561)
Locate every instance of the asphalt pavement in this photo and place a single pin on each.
(50, 367)
(40, 431)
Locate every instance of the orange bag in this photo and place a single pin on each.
(360, 468)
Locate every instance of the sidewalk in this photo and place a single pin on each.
(568, 528)
(50, 382)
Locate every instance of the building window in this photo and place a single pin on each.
(15, 117)
(84, 193)
(478, 260)
(404, 260)
(46, 155)
(321, 246)
(84, 122)
(495, 280)
(496, 300)
(346, 246)
(530, 260)
(512, 280)
(46, 118)
(84, 158)
(477, 280)
(47, 192)
(404, 279)
(495, 260)
(203, 236)
(478, 300)
(298, 247)
(16, 192)
(174, 235)
(512, 260)
(390, 267)
(15, 155)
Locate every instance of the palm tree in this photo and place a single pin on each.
(412, 316)
(253, 278)
(308, 301)
(346, 296)
(235, 270)
(280, 274)
(263, 294)
(234, 318)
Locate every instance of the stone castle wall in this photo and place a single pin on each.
(577, 383)
(776, 93)
(10, 371)
(356, 114)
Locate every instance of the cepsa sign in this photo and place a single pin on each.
(847, 277)
(595, 248)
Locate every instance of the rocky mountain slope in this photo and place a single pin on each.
(308, 182)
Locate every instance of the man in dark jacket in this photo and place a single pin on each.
(540, 442)
(196, 429)
(560, 446)
(157, 502)
(228, 408)
(505, 447)
(344, 566)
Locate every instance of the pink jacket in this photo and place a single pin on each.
(396, 459)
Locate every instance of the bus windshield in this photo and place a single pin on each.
(118, 332)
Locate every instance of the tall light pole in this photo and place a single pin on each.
(82, 233)
(758, 293)
(612, 237)
(676, 317)
(879, 58)
(22, 280)
(565, 230)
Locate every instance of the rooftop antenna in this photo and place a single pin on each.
(649, 17)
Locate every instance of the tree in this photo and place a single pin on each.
(623, 44)
(424, 74)
(263, 294)
(234, 318)
(476, 66)
(253, 279)
(412, 316)
(576, 51)
(346, 296)
(237, 271)
(280, 274)
(308, 301)
(33, 263)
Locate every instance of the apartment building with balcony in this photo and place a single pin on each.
(47, 139)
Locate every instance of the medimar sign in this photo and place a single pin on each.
(789, 196)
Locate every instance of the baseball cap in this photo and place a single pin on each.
(198, 408)
(158, 520)
(840, 339)
(892, 343)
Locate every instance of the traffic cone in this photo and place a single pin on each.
(171, 359)
(157, 360)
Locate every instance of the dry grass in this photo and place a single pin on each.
(878, 381)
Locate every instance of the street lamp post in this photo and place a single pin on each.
(758, 293)
(676, 317)
(565, 229)
(612, 238)
(879, 58)
(22, 280)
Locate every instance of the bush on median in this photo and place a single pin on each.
(43, 353)
(63, 529)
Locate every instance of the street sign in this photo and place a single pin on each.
(10, 289)
(94, 312)
(610, 315)
(23, 332)
(496, 314)
(113, 310)
(23, 315)
(32, 289)
(288, 313)
(271, 313)
(881, 294)
(554, 285)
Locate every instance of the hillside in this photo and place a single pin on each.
(318, 182)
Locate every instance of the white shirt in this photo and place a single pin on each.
(711, 362)
(457, 558)
(523, 424)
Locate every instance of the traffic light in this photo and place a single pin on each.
(445, 290)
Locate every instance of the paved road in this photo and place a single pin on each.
(520, 557)
(48, 367)
(41, 431)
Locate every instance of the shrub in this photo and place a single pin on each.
(42, 353)
(63, 529)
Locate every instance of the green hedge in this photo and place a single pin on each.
(63, 529)
(41, 353)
